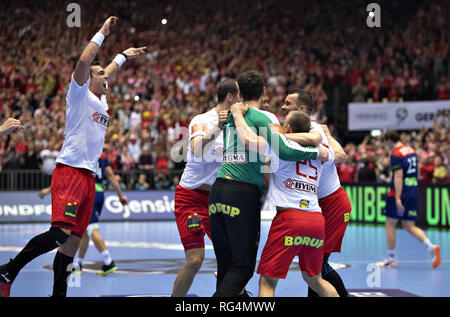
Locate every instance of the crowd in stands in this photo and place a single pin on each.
(323, 46)
(369, 161)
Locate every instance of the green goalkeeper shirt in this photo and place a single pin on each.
(246, 165)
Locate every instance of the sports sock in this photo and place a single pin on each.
(107, 259)
(332, 277)
(428, 244)
(40, 244)
(390, 254)
(61, 273)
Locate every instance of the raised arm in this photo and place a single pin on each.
(82, 69)
(128, 54)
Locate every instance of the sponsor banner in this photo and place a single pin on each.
(395, 115)
(26, 206)
(368, 202)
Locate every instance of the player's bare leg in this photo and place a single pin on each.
(267, 286)
(84, 245)
(391, 235)
(319, 285)
(391, 241)
(420, 235)
(185, 277)
(98, 240)
(109, 265)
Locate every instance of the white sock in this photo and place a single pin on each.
(107, 259)
(429, 245)
(391, 254)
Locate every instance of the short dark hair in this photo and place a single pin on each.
(305, 98)
(299, 121)
(391, 135)
(94, 63)
(251, 85)
(228, 86)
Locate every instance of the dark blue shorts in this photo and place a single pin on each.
(98, 206)
(411, 206)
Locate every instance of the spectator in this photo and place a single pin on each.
(31, 159)
(126, 161)
(11, 158)
(359, 91)
(346, 170)
(384, 170)
(134, 147)
(160, 94)
(440, 173)
(142, 184)
(426, 168)
(366, 173)
(48, 156)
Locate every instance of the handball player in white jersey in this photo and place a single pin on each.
(204, 159)
(298, 228)
(333, 199)
(72, 186)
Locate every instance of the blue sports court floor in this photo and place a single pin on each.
(149, 254)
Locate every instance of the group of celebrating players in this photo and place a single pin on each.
(249, 158)
(239, 156)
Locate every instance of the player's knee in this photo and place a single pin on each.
(267, 282)
(92, 229)
(408, 225)
(194, 262)
(310, 280)
(57, 236)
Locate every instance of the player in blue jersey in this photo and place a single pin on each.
(104, 170)
(402, 200)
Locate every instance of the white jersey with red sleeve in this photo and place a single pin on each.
(329, 180)
(86, 123)
(203, 170)
(295, 184)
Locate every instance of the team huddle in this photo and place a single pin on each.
(291, 167)
(239, 157)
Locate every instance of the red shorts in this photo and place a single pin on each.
(336, 209)
(293, 233)
(73, 194)
(192, 216)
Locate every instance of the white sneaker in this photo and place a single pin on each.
(388, 262)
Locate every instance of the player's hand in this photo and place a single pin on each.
(134, 52)
(239, 108)
(400, 208)
(10, 126)
(123, 200)
(107, 26)
(223, 117)
(323, 155)
(44, 192)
